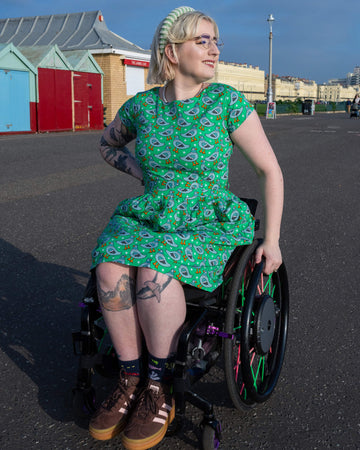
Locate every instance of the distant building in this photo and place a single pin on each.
(335, 81)
(293, 88)
(352, 79)
(245, 78)
(336, 92)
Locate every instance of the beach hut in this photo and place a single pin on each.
(125, 64)
(54, 82)
(17, 91)
(87, 89)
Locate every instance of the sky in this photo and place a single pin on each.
(312, 39)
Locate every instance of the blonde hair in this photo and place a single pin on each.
(184, 29)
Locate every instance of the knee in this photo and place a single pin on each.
(115, 286)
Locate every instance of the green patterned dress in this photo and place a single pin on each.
(187, 222)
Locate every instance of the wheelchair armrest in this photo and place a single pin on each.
(196, 295)
(252, 204)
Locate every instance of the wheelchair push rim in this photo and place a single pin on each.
(257, 315)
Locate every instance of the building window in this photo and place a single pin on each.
(134, 80)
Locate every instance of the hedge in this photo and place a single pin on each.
(296, 107)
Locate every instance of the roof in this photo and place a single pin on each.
(75, 31)
(46, 56)
(7, 50)
(82, 61)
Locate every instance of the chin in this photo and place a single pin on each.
(209, 75)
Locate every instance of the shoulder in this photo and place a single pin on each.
(139, 100)
(144, 95)
(227, 93)
(221, 88)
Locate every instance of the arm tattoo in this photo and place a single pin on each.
(113, 148)
(152, 289)
(120, 135)
(120, 158)
(122, 297)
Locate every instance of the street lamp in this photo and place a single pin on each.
(270, 111)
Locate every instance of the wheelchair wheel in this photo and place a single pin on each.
(257, 315)
(83, 402)
(210, 439)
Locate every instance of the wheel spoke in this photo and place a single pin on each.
(258, 369)
(252, 359)
(263, 369)
(268, 284)
(237, 364)
(253, 375)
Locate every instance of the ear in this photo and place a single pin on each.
(170, 53)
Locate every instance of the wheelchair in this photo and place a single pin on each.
(245, 320)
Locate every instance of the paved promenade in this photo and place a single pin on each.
(56, 196)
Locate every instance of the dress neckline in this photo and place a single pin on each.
(198, 95)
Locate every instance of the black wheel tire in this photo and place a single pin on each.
(233, 375)
(209, 438)
(251, 375)
(83, 402)
(261, 387)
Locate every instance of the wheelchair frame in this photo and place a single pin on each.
(245, 318)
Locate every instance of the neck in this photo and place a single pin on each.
(176, 91)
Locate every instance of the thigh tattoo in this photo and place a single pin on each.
(152, 288)
(122, 297)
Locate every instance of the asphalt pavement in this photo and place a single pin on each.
(56, 196)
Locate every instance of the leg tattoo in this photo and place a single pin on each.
(152, 289)
(122, 297)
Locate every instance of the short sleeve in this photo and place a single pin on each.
(238, 110)
(127, 116)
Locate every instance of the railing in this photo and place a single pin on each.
(296, 107)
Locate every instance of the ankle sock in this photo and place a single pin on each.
(132, 368)
(161, 369)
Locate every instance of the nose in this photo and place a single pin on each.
(214, 49)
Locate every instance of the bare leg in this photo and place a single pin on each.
(161, 309)
(116, 292)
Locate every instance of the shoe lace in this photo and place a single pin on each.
(119, 391)
(147, 402)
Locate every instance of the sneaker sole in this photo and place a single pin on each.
(107, 433)
(146, 443)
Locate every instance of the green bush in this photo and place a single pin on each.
(261, 109)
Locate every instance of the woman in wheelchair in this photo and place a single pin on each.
(184, 227)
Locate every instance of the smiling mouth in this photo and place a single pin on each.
(210, 63)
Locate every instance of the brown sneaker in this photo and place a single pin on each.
(154, 411)
(110, 418)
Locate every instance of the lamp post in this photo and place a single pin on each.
(270, 110)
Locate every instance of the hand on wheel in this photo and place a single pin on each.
(272, 254)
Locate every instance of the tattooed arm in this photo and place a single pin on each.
(113, 148)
